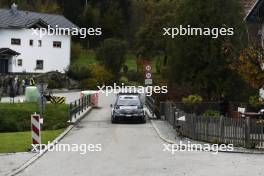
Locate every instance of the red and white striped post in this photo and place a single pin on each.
(35, 129)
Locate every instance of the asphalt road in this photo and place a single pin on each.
(135, 150)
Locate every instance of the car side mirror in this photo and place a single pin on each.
(111, 105)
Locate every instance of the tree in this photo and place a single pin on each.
(250, 65)
(46, 6)
(90, 18)
(203, 61)
(150, 41)
(112, 55)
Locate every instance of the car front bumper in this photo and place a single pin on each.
(128, 116)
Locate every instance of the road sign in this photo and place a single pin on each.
(35, 129)
(148, 68)
(148, 82)
(148, 75)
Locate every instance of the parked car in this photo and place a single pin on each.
(128, 107)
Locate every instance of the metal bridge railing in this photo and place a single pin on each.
(79, 106)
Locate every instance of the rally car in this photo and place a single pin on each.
(128, 107)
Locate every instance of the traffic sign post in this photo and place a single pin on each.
(148, 75)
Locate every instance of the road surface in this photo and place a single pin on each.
(135, 150)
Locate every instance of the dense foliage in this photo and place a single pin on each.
(195, 64)
(112, 55)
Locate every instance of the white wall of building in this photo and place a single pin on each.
(54, 58)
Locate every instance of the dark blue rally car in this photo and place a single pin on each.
(128, 107)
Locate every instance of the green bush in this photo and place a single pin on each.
(16, 117)
(101, 74)
(76, 51)
(211, 113)
(134, 76)
(90, 83)
(192, 101)
(124, 80)
(112, 55)
(254, 101)
(78, 72)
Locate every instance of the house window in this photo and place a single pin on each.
(31, 42)
(19, 62)
(15, 41)
(39, 43)
(56, 44)
(39, 64)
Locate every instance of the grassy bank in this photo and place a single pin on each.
(89, 57)
(21, 141)
(16, 117)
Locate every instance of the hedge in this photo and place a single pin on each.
(16, 117)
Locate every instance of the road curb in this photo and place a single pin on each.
(236, 149)
(54, 142)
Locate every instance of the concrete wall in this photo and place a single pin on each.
(54, 58)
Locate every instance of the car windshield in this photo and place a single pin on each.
(128, 101)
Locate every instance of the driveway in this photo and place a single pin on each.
(135, 150)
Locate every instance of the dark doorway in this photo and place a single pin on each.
(3, 65)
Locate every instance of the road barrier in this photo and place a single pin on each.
(35, 129)
(94, 97)
(32, 82)
(55, 100)
(79, 106)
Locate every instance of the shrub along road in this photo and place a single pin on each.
(134, 149)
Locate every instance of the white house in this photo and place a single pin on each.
(22, 51)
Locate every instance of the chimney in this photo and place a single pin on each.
(14, 8)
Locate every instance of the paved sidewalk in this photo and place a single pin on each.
(168, 134)
(10, 162)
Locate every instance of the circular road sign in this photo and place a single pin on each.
(148, 75)
(148, 68)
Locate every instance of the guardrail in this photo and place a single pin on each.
(150, 103)
(78, 106)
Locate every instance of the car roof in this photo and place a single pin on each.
(123, 97)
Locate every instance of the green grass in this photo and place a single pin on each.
(89, 57)
(131, 62)
(86, 58)
(21, 141)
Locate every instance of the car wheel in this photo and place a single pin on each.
(113, 120)
(143, 120)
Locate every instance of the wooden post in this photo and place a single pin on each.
(222, 129)
(247, 132)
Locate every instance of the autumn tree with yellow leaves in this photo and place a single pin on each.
(250, 65)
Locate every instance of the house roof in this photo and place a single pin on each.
(248, 5)
(14, 18)
(8, 51)
(252, 9)
(256, 13)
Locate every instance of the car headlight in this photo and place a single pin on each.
(141, 112)
(116, 112)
